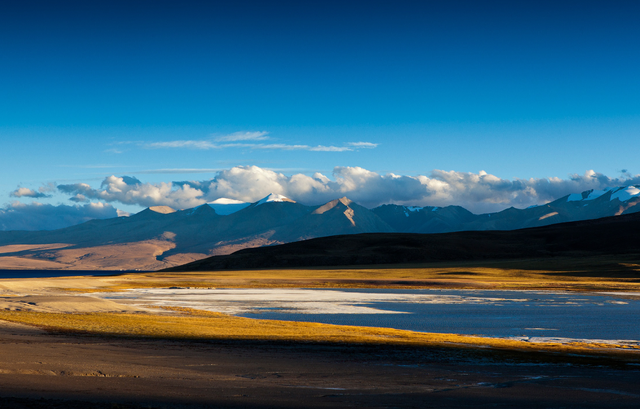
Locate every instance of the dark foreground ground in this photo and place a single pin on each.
(41, 370)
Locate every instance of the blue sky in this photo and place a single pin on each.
(393, 92)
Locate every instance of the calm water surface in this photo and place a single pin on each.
(475, 312)
(566, 315)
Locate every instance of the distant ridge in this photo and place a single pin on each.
(161, 237)
(606, 236)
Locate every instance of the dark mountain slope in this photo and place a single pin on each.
(340, 216)
(611, 235)
(587, 205)
(425, 219)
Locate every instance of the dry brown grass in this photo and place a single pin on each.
(200, 325)
(572, 274)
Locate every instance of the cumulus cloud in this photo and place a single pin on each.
(38, 216)
(479, 192)
(26, 192)
(122, 213)
(129, 190)
(79, 198)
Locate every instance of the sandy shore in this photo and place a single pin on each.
(44, 369)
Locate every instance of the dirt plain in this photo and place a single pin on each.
(45, 370)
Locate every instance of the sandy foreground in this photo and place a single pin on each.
(43, 368)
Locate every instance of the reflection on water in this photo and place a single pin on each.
(521, 314)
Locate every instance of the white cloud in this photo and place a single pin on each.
(286, 147)
(122, 213)
(26, 192)
(243, 136)
(79, 198)
(366, 145)
(321, 148)
(212, 143)
(38, 216)
(128, 190)
(239, 140)
(178, 170)
(479, 192)
(184, 144)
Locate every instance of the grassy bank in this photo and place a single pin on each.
(568, 273)
(199, 325)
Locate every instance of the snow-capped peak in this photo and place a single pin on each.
(224, 206)
(225, 201)
(411, 209)
(586, 195)
(274, 197)
(625, 193)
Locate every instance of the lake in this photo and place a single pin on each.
(529, 315)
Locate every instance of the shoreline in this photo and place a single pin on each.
(73, 296)
(78, 350)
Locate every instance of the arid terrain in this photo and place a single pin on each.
(63, 347)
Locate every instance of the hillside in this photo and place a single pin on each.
(607, 236)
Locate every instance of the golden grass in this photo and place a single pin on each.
(572, 274)
(200, 325)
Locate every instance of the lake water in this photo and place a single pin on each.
(533, 315)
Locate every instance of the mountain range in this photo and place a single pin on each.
(161, 237)
(607, 246)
